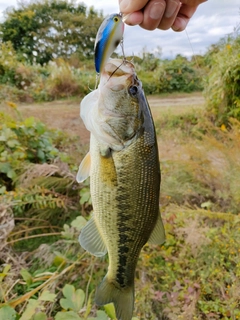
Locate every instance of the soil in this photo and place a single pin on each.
(64, 114)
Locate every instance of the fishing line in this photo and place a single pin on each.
(194, 55)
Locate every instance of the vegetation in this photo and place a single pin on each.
(44, 273)
(42, 30)
(223, 85)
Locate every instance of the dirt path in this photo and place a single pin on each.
(64, 115)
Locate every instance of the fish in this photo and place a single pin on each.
(110, 34)
(124, 170)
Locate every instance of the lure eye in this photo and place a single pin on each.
(133, 90)
(115, 19)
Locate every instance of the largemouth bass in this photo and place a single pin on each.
(124, 174)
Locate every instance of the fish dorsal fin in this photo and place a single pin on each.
(84, 168)
(91, 240)
(158, 233)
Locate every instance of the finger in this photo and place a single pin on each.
(193, 3)
(153, 13)
(184, 15)
(127, 6)
(134, 18)
(170, 14)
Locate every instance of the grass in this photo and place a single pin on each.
(195, 275)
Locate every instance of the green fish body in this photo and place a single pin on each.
(124, 174)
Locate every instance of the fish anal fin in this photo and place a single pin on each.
(158, 233)
(91, 240)
(122, 298)
(84, 168)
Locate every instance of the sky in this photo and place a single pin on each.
(213, 20)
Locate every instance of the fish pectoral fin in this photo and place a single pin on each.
(91, 240)
(84, 168)
(158, 233)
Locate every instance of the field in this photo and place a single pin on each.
(195, 275)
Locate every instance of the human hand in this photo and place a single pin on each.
(161, 14)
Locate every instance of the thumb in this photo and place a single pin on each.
(127, 6)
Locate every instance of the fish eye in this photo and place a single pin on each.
(133, 90)
(115, 19)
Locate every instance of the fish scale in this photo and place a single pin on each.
(124, 181)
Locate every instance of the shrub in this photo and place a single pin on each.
(222, 89)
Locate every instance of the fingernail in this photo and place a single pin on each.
(180, 24)
(156, 10)
(172, 6)
(124, 5)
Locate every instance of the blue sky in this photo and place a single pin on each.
(212, 21)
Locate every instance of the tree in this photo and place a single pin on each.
(43, 30)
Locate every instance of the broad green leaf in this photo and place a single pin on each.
(101, 315)
(12, 143)
(74, 298)
(40, 316)
(69, 315)
(26, 276)
(79, 223)
(7, 313)
(47, 296)
(29, 122)
(31, 309)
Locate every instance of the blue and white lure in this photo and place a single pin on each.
(109, 35)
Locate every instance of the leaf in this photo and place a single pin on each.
(69, 315)
(110, 310)
(101, 315)
(74, 298)
(4, 273)
(31, 309)
(79, 223)
(27, 277)
(29, 122)
(40, 316)
(47, 296)
(7, 313)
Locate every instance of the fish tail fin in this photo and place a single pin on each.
(122, 298)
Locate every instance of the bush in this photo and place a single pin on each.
(222, 89)
(179, 75)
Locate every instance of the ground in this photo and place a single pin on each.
(64, 114)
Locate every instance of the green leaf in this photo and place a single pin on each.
(40, 154)
(74, 298)
(79, 223)
(47, 296)
(101, 315)
(12, 143)
(27, 277)
(7, 313)
(110, 310)
(69, 315)
(11, 174)
(29, 122)
(31, 309)
(40, 316)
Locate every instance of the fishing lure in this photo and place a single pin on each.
(109, 35)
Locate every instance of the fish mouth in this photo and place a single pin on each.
(119, 74)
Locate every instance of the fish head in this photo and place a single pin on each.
(113, 112)
(119, 88)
